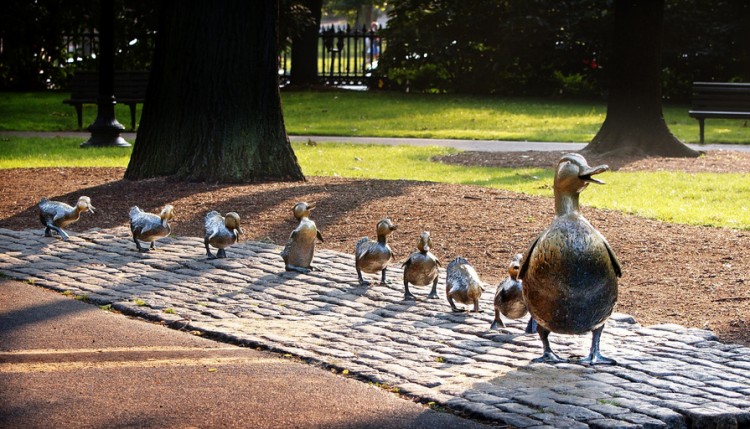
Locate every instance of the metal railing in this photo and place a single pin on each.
(346, 56)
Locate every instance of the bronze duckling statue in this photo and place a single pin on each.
(570, 272)
(422, 268)
(149, 226)
(509, 298)
(373, 256)
(221, 232)
(56, 215)
(462, 284)
(300, 248)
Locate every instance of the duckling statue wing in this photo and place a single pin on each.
(213, 223)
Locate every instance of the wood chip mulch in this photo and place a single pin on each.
(689, 275)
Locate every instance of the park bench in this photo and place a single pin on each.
(720, 100)
(129, 89)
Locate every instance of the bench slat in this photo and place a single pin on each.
(129, 89)
(726, 100)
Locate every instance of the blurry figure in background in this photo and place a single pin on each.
(372, 43)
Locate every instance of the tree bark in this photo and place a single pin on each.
(213, 110)
(304, 72)
(635, 121)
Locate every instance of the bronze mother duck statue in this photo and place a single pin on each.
(570, 272)
(56, 215)
(149, 226)
(221, 232)
(422, 268)
(373, 256)
(300, 248)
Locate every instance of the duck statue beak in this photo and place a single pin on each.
(587, 172)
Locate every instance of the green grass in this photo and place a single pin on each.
(29, 152)
(720, 200)
(391, 114)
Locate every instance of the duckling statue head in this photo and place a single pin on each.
(422, 268)
(462, 284)
(300, 248)
(509, 297)
(570, 272)
(56, 215)
(221, 232)
(302, 210)
(373, 256)
(232, 222)
(149, 226)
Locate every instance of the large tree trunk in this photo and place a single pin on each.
(304, 72)
(635, 122)
(213, 111)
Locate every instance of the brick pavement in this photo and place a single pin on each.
(667, 376)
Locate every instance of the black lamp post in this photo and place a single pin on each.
(105, 131)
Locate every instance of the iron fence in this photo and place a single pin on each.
(346, 56)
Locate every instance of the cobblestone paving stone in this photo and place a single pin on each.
(667, 376)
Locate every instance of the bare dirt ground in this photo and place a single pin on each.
(693, 276)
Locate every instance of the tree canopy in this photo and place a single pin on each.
(560, 47)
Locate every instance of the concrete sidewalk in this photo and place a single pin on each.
(667, 376)
(466, 145)
(68, 364)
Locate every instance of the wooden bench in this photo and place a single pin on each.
(129, 89)
(720, 100)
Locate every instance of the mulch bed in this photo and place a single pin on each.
(693, 276)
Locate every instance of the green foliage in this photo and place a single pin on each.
(526, 46)
(489, 46)
(37, 36)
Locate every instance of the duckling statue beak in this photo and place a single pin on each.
(91, 208)
(240, 231)
(587, 172)
(310, 206)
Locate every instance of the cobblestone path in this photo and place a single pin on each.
(667, 376)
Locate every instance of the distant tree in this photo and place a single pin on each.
(304, 71)
(635, 122)
(213, 110)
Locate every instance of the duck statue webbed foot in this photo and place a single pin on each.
(221, 232)
(595, 357)
(462, 284)
(548, 356)
(421, 268)
(372, 256)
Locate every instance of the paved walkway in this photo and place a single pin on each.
(472, 145)
(668, 376)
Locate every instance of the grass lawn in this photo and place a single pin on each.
(391, 114)
(699, 199)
